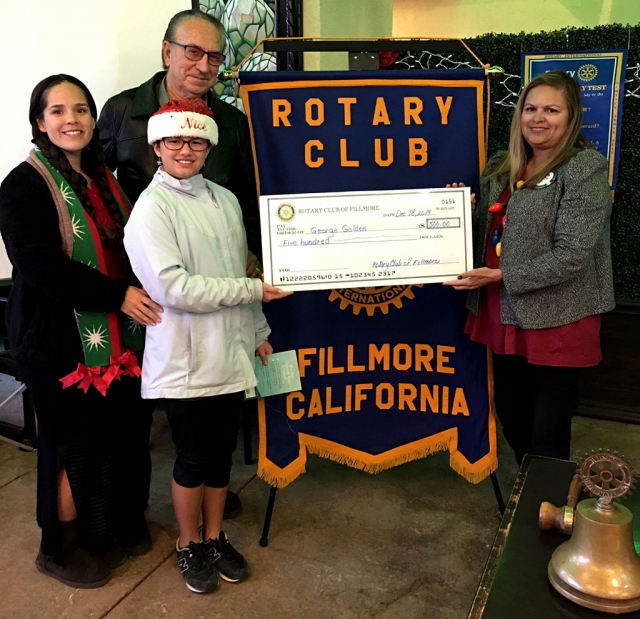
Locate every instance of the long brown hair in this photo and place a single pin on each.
(520, 152)
(92, 158)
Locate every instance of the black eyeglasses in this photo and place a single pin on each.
(197, 145)
(195, 53)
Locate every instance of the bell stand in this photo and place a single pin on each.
(358, 48)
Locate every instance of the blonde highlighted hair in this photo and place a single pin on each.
(520, 152)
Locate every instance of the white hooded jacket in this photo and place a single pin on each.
(187, 246)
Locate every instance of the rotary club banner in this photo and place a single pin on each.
(601, 78)
(387, 373)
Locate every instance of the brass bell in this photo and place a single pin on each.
(598, 567)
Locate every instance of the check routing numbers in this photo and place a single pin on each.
(331, 240)
(383, 153)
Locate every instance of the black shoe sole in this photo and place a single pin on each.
(71, 583)
(212, 590)
(242, 578)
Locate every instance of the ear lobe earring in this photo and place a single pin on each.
(159, 162)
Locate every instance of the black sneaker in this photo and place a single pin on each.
(196, 570)
(229, 563)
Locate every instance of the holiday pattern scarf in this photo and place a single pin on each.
(108, 351)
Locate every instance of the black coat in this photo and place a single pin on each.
(47, 285)
(123, 130)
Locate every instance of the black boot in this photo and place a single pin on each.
(78, 568)
(114, 556)
(132, 533)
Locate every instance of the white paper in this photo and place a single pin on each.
(368, 238)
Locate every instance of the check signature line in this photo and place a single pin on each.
(386, 276)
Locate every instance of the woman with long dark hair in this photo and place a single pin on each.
(75, 321)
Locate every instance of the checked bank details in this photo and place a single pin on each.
(357, 239)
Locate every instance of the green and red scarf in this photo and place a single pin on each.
(109, 349)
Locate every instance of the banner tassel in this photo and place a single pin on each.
(278, 479)
(474, 477)
(376, 467)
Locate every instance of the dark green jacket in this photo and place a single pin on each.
(123, 130)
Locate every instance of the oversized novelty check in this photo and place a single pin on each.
(365, 238)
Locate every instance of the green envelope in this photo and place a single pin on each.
(281, 375)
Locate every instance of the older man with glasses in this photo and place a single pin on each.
(192, 52)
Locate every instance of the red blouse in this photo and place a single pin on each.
(574, 345)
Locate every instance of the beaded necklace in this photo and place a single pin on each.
(497, 207)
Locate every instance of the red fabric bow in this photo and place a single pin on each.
(124, 365)
(86, 377)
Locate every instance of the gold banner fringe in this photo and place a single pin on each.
(474, 477)
(274, 476)
(473, 472)
(377, 467)
(276, 479)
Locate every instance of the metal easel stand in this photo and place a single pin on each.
(264, 540)
(498, 493)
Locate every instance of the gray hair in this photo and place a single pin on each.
(180, 18)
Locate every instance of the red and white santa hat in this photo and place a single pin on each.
(183, 119)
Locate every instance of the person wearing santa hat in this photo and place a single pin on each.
(192, 54)
(187, 245)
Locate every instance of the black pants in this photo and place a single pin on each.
(100, 443)
(535, 404)
(205, 433)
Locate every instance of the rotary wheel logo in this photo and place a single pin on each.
(372, 298)
(286, 211)
(587, 72)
